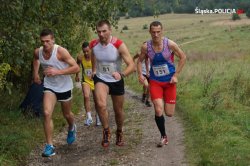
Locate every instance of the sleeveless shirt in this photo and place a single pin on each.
(162, 63)
(58, 83)
(87, 72)
(108, 59)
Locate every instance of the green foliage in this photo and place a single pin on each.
(4, 69)
(22, 21)
(145, 26)
(125, 27)
(248, 13)
(235, 16)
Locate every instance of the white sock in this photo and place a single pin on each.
(73, 128)
(89, 115)
(97, 117)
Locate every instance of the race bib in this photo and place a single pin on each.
(88, 72)
(107, 68)
(160, 70)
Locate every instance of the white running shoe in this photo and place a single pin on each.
(163, 141)
(88, 122)
(98, 122)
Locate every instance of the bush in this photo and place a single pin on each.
(248, 13)
(235, 16)
(127, 17)
(125, 27)
(145, 26)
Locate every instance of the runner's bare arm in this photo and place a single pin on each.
(93, 61)
(36, 65)
(136, 56)
(123, 50)
(139, 62)
(63, 55)
(147, 66)
(182, 58)
(78, 61)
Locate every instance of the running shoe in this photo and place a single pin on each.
(71, 136)
(119, 138)
(147, 103)
(106, 138)
(49, 151)
(163, 141)
(88, 122)
(98, 122)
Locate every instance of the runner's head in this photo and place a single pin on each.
(156, 30)
(47, 39)
(86, 49)
(103, 29)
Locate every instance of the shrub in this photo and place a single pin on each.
(145, 26)
(127, 17)
(235, 16)
(248, 13)
(125, 27)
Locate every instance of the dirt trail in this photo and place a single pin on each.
(141, 136)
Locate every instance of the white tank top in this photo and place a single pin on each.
(58, 83)
(108, 59)
(144, 70)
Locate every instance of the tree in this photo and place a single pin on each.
(22, 20)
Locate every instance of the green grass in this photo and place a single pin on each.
(19, 133)
(213, 89)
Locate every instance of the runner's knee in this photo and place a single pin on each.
(47, 113)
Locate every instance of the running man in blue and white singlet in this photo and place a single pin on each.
(163, 74)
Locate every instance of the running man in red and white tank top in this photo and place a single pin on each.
(163, 74)
(107, 55)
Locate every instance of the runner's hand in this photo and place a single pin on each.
(92, 75)
(77, 79)
(50, 71)
(37, 79)
(117, 75)
(141, 79)
(174, 80)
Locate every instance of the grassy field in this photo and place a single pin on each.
(213, 89)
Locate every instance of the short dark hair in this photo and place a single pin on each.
(155, 24)
(103, 22)
(85, 44)
(46, 32)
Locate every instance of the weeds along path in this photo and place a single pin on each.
(141, 136)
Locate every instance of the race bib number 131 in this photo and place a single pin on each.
(161, 70)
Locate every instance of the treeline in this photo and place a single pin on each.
(154, 7)
(22, 20)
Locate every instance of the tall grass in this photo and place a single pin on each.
(19, 133)
(213, 90)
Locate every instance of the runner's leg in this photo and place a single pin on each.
(49, 101)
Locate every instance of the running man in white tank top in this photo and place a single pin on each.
(107, 55)
(145, 72)
(57, 65)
